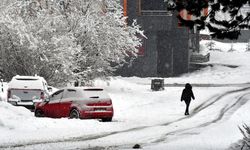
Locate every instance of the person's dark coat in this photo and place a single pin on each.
(187, 93)
(186, 96)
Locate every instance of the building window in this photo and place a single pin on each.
(153, 8)
(153, 5)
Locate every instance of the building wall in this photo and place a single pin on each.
(166, 49)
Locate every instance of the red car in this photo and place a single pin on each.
(77, 102)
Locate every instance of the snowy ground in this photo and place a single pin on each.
(155, 120)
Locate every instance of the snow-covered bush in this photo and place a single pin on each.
(245, 130)
(211, 45)
(243, 144)
(35, 42)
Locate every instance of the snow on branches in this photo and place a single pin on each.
(81, 39)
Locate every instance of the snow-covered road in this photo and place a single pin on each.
(208, 114)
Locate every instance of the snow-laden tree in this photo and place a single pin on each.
(89, 37)
(100, 29)
(106, 40)
(39, 42)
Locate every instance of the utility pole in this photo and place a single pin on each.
(2, 85)
(2, 56)
(1, 59)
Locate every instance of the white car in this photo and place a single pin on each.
(27, 90)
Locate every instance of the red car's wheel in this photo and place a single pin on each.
(39, 113)
(74, 114)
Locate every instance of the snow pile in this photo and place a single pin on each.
(11, 115)
(18, 125)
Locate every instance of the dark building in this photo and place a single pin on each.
(166, 51)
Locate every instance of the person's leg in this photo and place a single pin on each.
(187, 107)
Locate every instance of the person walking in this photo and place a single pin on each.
(186, 96)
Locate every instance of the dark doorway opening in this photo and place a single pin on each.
(165, 54)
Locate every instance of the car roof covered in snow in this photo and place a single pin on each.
(85, 88)
(87, 92)
(27, 82)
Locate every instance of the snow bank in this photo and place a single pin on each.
(18, 125)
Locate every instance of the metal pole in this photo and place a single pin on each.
(2, 84)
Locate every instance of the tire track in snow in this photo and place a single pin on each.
(206, 104)
(196, 111)
(226, 110)
(74, 139)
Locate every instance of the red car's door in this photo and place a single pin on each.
(53, 105)
(66, 102)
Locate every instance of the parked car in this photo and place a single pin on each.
(26, 90)
(77, 102)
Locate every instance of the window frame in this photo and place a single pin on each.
(66, 95)
(142, 12)
(56, 93)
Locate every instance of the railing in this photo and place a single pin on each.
(156, 13)
(199, 58)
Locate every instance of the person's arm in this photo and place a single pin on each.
(192, 95)
(182, 95)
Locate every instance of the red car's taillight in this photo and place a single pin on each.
(110, 109)
(42, 95)
(104, 103)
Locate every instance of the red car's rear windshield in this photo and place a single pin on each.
(87, 93)
(95, 93)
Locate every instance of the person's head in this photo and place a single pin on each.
(188, 86)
